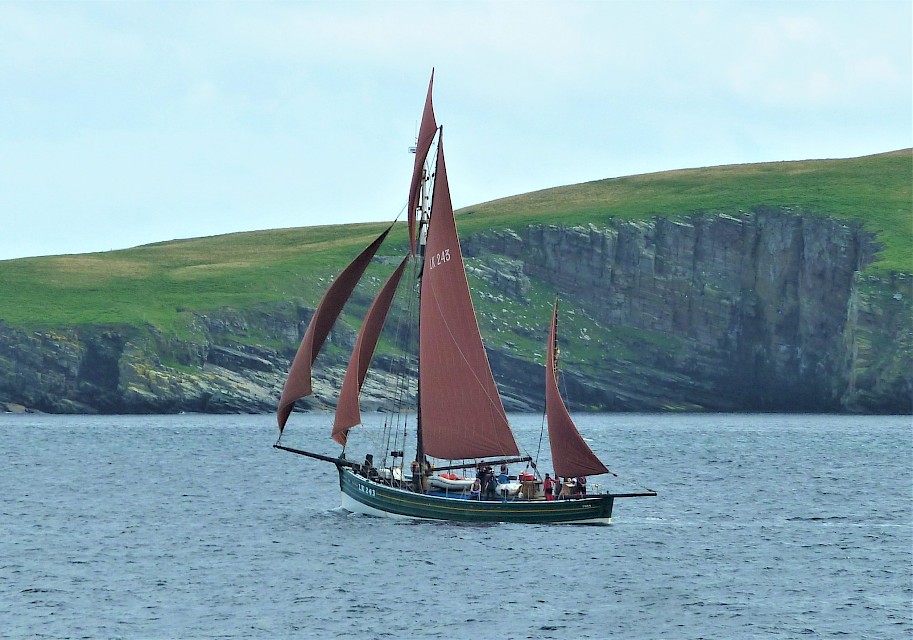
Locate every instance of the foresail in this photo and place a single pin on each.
(461, 412)
(298, 383)
(571, 456)
(426, 132)
(348, 413)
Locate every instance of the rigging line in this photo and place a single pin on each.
(402, 332)
(541, 437)
(396, 371)
(396, 219)
(405, 338)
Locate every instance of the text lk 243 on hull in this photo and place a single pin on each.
(458, 420)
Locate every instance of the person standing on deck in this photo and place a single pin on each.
(489, 483)
(426, 473)
(548, 485)
(416, 477)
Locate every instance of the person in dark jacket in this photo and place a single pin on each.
(581, 485)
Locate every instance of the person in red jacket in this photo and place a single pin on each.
(548, 485)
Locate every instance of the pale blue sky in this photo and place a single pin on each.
(124, 123)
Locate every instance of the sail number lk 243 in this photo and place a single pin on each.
(439, 258)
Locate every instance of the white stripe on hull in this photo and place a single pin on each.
(350, 504)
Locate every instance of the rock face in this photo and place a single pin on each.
(762, 311)
(765, 310)
(142, 370)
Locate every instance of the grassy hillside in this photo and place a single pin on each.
(153, 283)
(875, 190)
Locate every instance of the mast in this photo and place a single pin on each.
(417, 204)
(421, 242)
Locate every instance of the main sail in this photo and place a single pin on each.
(348, 413)
(461, 412)
(571, 456)
(298, 383)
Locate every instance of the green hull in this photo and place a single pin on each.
(361, 495)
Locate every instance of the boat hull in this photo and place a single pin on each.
(361, 495)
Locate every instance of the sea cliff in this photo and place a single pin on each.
(771, 309)
(767, 310)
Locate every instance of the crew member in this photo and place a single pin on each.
(581, 485)
(548, 485)
(476, 492)
(416, 476)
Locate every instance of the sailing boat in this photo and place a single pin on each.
(459, 419)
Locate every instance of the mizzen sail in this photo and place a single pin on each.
(571, 456)
(461, 411)
(298, 383)
(426, 132)
(348, 413)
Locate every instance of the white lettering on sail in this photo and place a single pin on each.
(439, 258)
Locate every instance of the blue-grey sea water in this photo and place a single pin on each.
(765, 526)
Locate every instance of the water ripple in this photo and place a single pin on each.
(193, 527)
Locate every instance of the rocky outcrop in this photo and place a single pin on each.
(209, 369)
(767, 310)
(120, 370)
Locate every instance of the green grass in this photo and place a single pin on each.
(155, 283)
(874, 190)
(152, 283)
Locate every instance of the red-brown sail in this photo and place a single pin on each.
(426, 132)
(348, 413)
(298, 383)
(461, 411)
(571, 456)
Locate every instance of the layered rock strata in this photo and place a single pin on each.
(767, 310)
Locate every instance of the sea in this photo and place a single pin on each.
(193, 526)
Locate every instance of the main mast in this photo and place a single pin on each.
(423, 213)
(418, 205)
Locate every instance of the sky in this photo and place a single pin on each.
(126, 123)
